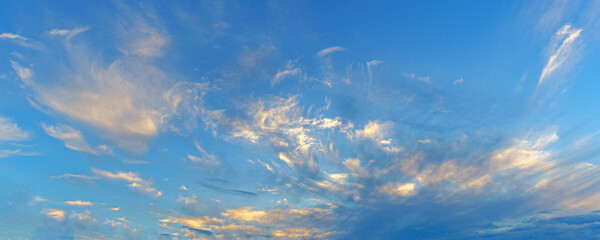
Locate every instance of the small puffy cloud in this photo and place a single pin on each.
(565, 38)
(73, 139)
(79, 203)
(10, 131)
(375, 130)
(191, 200)
(459, 81)
(39, 199)
(425, 79)
(56, 214)
(330, 50)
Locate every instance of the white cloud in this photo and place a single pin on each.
(56, 214)
(205, 157)
(67, 33)
(398, 189)
(10, 131)
(136, 182)
(525, 155)
(130, 98)
(290, 71)
(24, 73)
(79, 203)
(329, 50)
(286, 73)
(376, 131)
(459, 81)
(11, 36)
(425, 79)
(73, 139)
(565, 38)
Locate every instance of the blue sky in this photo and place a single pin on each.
(299, 120)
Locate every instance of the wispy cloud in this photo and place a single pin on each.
(204, 157)
(73, 139)
(10, 131)
(371, 64)
(426, 79)
(136, 182)
(563, 54)
(286, 73)
(330, 50)
(11, 36)
(67, 33)
(24, 73)
(290, 71)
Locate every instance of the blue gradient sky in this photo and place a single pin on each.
(299, 120)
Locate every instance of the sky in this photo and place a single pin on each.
(299, 119)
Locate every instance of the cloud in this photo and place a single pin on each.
(290, 71)
(25, 74)
(194, 222)
(330, 50)
(10, 131)
(375, 130)
(130, 97)
(68, 33)
(286, 73)
(248, 214)
(73, 139)
(459, 81)
(79, 203)
(205, 157)
(425, 79)
(299, 232)
(76, 178)
(11, 36)
(56, 214)
(398, 189)
(371, 64)
(564, 55)
(524, 155)
(136, 182)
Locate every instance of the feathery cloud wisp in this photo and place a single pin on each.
(10, 131)
(72, 137)
(566, 51)
(329, 50)
(11, 36)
